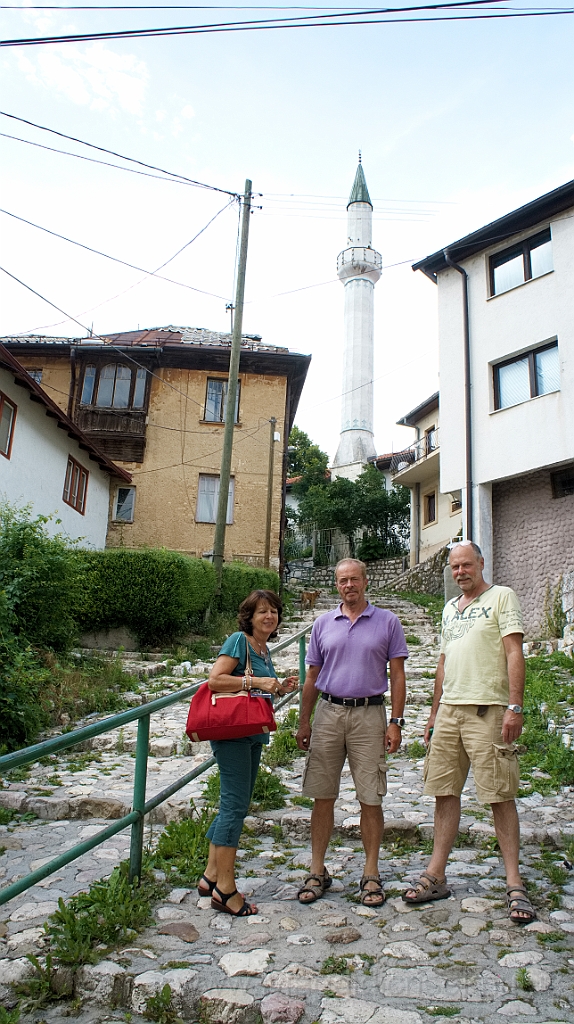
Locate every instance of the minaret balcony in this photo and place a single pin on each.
(359, 261)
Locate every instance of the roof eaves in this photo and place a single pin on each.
(37, 394)
(512, 223)
(411, 418)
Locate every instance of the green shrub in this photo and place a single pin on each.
(39, 580)
(238, 580)
(184, 847)
(153, 592)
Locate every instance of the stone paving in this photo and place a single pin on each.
(334, 961)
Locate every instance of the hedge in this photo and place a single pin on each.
(239, 579)
(153, 592)
(157, 593)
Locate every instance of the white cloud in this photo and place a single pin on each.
(95, 77)
(188, 112)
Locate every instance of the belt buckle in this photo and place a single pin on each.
(350, 702)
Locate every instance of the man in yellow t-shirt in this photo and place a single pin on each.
(475, 719)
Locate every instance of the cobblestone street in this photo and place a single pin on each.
(333, 961)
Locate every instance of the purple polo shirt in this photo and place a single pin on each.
(353, 655)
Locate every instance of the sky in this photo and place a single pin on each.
(458, 123)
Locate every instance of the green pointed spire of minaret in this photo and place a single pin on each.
(360, 192)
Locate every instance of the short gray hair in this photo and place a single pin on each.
(468, 543)
(353, 561)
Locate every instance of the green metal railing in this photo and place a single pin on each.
(140, 806)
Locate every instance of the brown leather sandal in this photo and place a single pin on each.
(426, 889)
(372, 897)
(315, 892)
(519, 905)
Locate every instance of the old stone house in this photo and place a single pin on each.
(154, 401)
(48, 463)
(506, 358)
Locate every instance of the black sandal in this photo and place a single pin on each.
(247, 910)
(519, 904)
(210, 886)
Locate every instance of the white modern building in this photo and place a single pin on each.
(47, 462)
(506, 357)
(358, 268)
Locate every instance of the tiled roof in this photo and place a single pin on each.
(156, 336)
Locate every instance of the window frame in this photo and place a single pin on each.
(78, 503)
(430, 494)
(557, 478)
(225, 382)
(115, 517)
(229, 519)
(530, 354)
(4, 400)
(523, 248)
(98, 367)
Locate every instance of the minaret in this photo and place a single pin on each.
(358, 268)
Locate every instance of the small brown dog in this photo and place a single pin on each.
(308, 598)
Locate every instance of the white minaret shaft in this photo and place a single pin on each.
(359, 269)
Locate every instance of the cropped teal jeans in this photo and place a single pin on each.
(238, 761)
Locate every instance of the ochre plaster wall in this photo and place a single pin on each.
(180, 446)
(55, 376)
(533, 540)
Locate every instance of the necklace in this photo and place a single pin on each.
(263, 651)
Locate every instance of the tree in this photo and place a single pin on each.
(306, 460)
(365, 503)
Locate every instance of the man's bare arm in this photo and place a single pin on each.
(437, 694)
(398, 697)
(511, 723)
(308, 701)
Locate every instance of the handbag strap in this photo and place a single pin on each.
(248, 665)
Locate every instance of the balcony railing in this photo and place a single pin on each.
(421, 449)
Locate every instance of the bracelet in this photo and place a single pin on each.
(246, 683)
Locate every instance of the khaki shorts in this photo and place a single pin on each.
(462, 738)
(355, 733)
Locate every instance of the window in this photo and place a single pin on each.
(114, 386)
(216, 400)
(208, 497)
(124, 507)
(35, 375)
(528, 259)
(527, 376)
(429, 508)
(455, 502)
(562, 482)
(431, 440)
(75, 485)
(7, 421)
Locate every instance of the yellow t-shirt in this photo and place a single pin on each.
(471, 641)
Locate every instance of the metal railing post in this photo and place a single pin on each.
(140, 775)
(302, 648)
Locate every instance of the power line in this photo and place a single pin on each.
(281, 23)
(110, 152)
(151, 273)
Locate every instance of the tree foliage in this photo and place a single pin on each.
(306, 460)
(366, 504)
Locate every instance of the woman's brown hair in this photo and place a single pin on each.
(248, 606)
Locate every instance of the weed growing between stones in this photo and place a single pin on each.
(416, 750)
(9, 1016)
(336, 965)
(109, 914)
(523, 980)
(549, 938)
(430, 602)
(304, 801)
(440, 1011)
(412, 639)
(183, 847)
(549, 693)
(160, 1008)
(45, 986)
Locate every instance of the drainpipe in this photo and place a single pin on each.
(72, 381)
(417, 523)
(467, 393)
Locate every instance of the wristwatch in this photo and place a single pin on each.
(397, 721)
(516, 708)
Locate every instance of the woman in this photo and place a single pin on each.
(238, 760)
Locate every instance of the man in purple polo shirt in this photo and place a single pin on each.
(347, 666)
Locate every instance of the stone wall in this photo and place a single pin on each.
(427, 577)
(533, 540)
(380, 573)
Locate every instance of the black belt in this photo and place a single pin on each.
(354, 702)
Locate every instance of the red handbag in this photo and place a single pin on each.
(229, 716)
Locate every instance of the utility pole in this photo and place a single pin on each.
(273, 423)
(225, 471)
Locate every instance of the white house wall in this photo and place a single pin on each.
(35, 472)
(515, 440)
